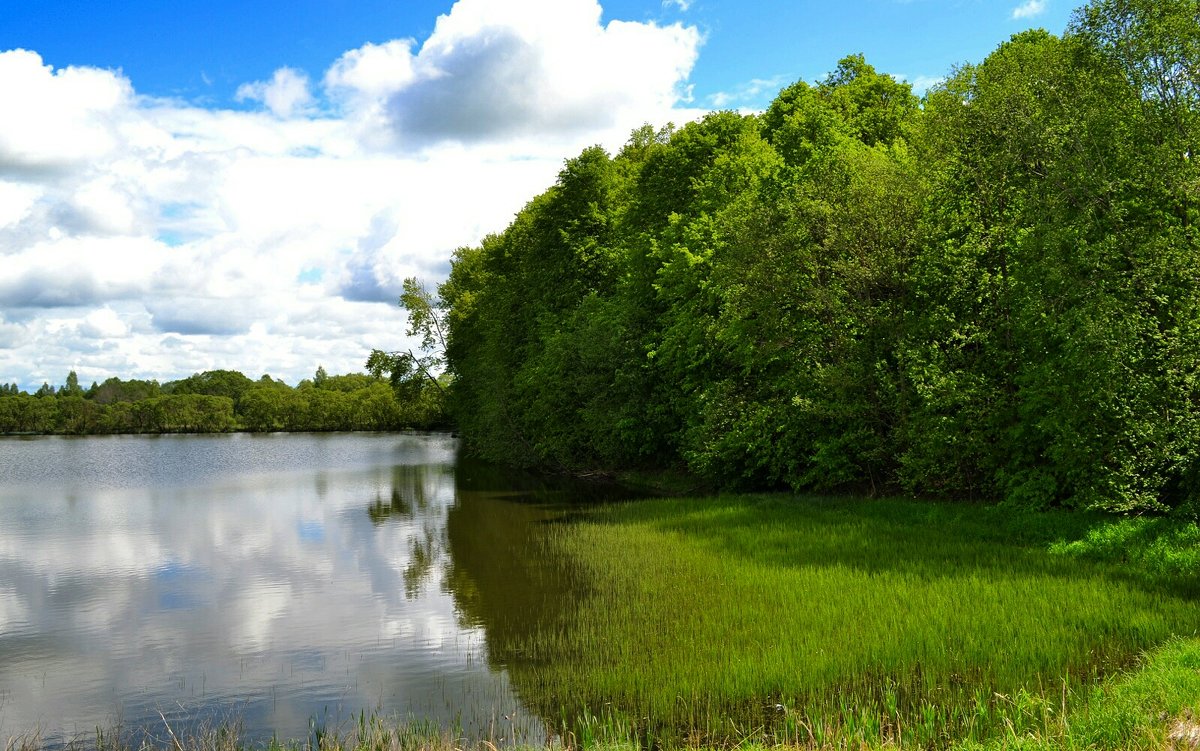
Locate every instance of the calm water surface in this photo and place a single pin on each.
(274, 580)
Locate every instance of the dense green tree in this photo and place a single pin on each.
(116, 390)
(1054, 330)
(353, 401)
(71, 387)
(76, 415)
(348, 383)
(990, 295)
(227, 383)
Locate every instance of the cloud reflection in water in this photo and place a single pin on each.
(270, 579)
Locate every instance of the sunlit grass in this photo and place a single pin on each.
(1156, 706)
(783, 620)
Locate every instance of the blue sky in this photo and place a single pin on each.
(202, 51)
(195, 185)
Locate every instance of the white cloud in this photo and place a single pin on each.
(373, 69)
(750, 93)
(150, 238)
(921, 84)
(11, 336)
(683, 5)
(527, 68)
(286, 94)
(16, 202)
(56, 119)
(1029, 9)
(103, 323)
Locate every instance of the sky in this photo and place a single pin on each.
(189, 186)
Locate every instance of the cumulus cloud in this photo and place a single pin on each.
(373, 70)
(103, 323)
(61, 118)
(1029, 9)
(524, 68)
(286, 94)
(70, 272)
(152, 238)
(16, 202)
(204, 315)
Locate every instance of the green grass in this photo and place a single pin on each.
(1156, 706)
(777, 619)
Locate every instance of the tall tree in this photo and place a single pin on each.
(426, 318)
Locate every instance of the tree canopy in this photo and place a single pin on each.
(991, 292)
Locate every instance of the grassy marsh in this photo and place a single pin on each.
(813, 621)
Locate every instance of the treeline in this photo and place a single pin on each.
(220, 401)
(991, 292)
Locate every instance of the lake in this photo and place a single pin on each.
(273, 580)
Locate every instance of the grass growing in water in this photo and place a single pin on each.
(827, 621)
(366, 733)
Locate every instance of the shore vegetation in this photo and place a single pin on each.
(222, 401)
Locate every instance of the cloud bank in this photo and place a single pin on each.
(155, 238)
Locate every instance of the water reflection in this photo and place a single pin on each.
(270, 579)
(408, 494)
(505, 580)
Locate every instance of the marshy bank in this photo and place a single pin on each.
(813, 621)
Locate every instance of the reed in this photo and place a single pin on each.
(782, 620)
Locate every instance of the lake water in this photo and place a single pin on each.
(273, 580)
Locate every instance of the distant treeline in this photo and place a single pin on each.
(218, 401)
(990, 292)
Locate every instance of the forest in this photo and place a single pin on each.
(989, 292)
(219, 401)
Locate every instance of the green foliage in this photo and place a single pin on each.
(228, 383)
(993, 295)
(883, 623)
(1167, 548)
(340, 402)
(415, 377)
(116, 390)
(71, 387)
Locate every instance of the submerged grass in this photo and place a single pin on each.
(372, 732)
(815, 621)
(1154, 707)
